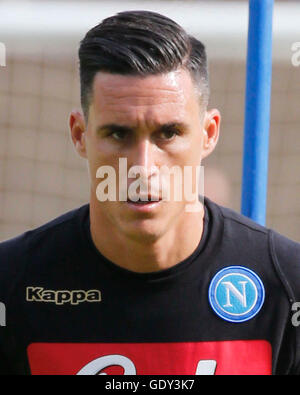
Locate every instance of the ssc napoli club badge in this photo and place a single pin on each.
(236, 294)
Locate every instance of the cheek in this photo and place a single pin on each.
(186, 152)
(99, 151)
(97, 157)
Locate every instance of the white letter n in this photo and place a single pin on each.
(242, 297)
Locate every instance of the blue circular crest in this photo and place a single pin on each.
(236, 294)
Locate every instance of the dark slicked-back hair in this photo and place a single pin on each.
(140, 43)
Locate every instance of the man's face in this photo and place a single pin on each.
(153, 121)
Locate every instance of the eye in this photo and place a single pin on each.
(118, 134)
(168, 134)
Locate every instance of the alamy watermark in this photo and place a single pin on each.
(296, 315)
(2, 314)
(2, 55)
(152, 185)
(296, 54)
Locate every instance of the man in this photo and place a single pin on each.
(138, 283)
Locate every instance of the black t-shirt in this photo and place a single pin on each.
(226, 309)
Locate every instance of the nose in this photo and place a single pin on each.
(143, 155)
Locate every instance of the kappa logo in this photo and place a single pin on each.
(39, 294)
(236, 294)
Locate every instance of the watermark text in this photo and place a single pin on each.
(151, 185)
(296, 54)
(296, 315)
(2, 55)
(2, 314)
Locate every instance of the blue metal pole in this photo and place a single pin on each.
(257, 110)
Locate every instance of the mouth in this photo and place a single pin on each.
(144, 204)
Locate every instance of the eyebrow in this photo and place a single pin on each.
(113, 127)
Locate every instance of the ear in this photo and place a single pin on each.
(211, 129)
(77, 129)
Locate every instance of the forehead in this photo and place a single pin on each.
(125, 97)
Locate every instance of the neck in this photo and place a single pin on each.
(144, 256)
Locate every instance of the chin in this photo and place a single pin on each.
(144, 231)
(147, 228)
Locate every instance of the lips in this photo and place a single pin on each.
(144, 199)
(144, 205)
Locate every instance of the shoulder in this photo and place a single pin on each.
(286, 256)
(27, 240)
(282, 252)
(35, 245)
(237, 226)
